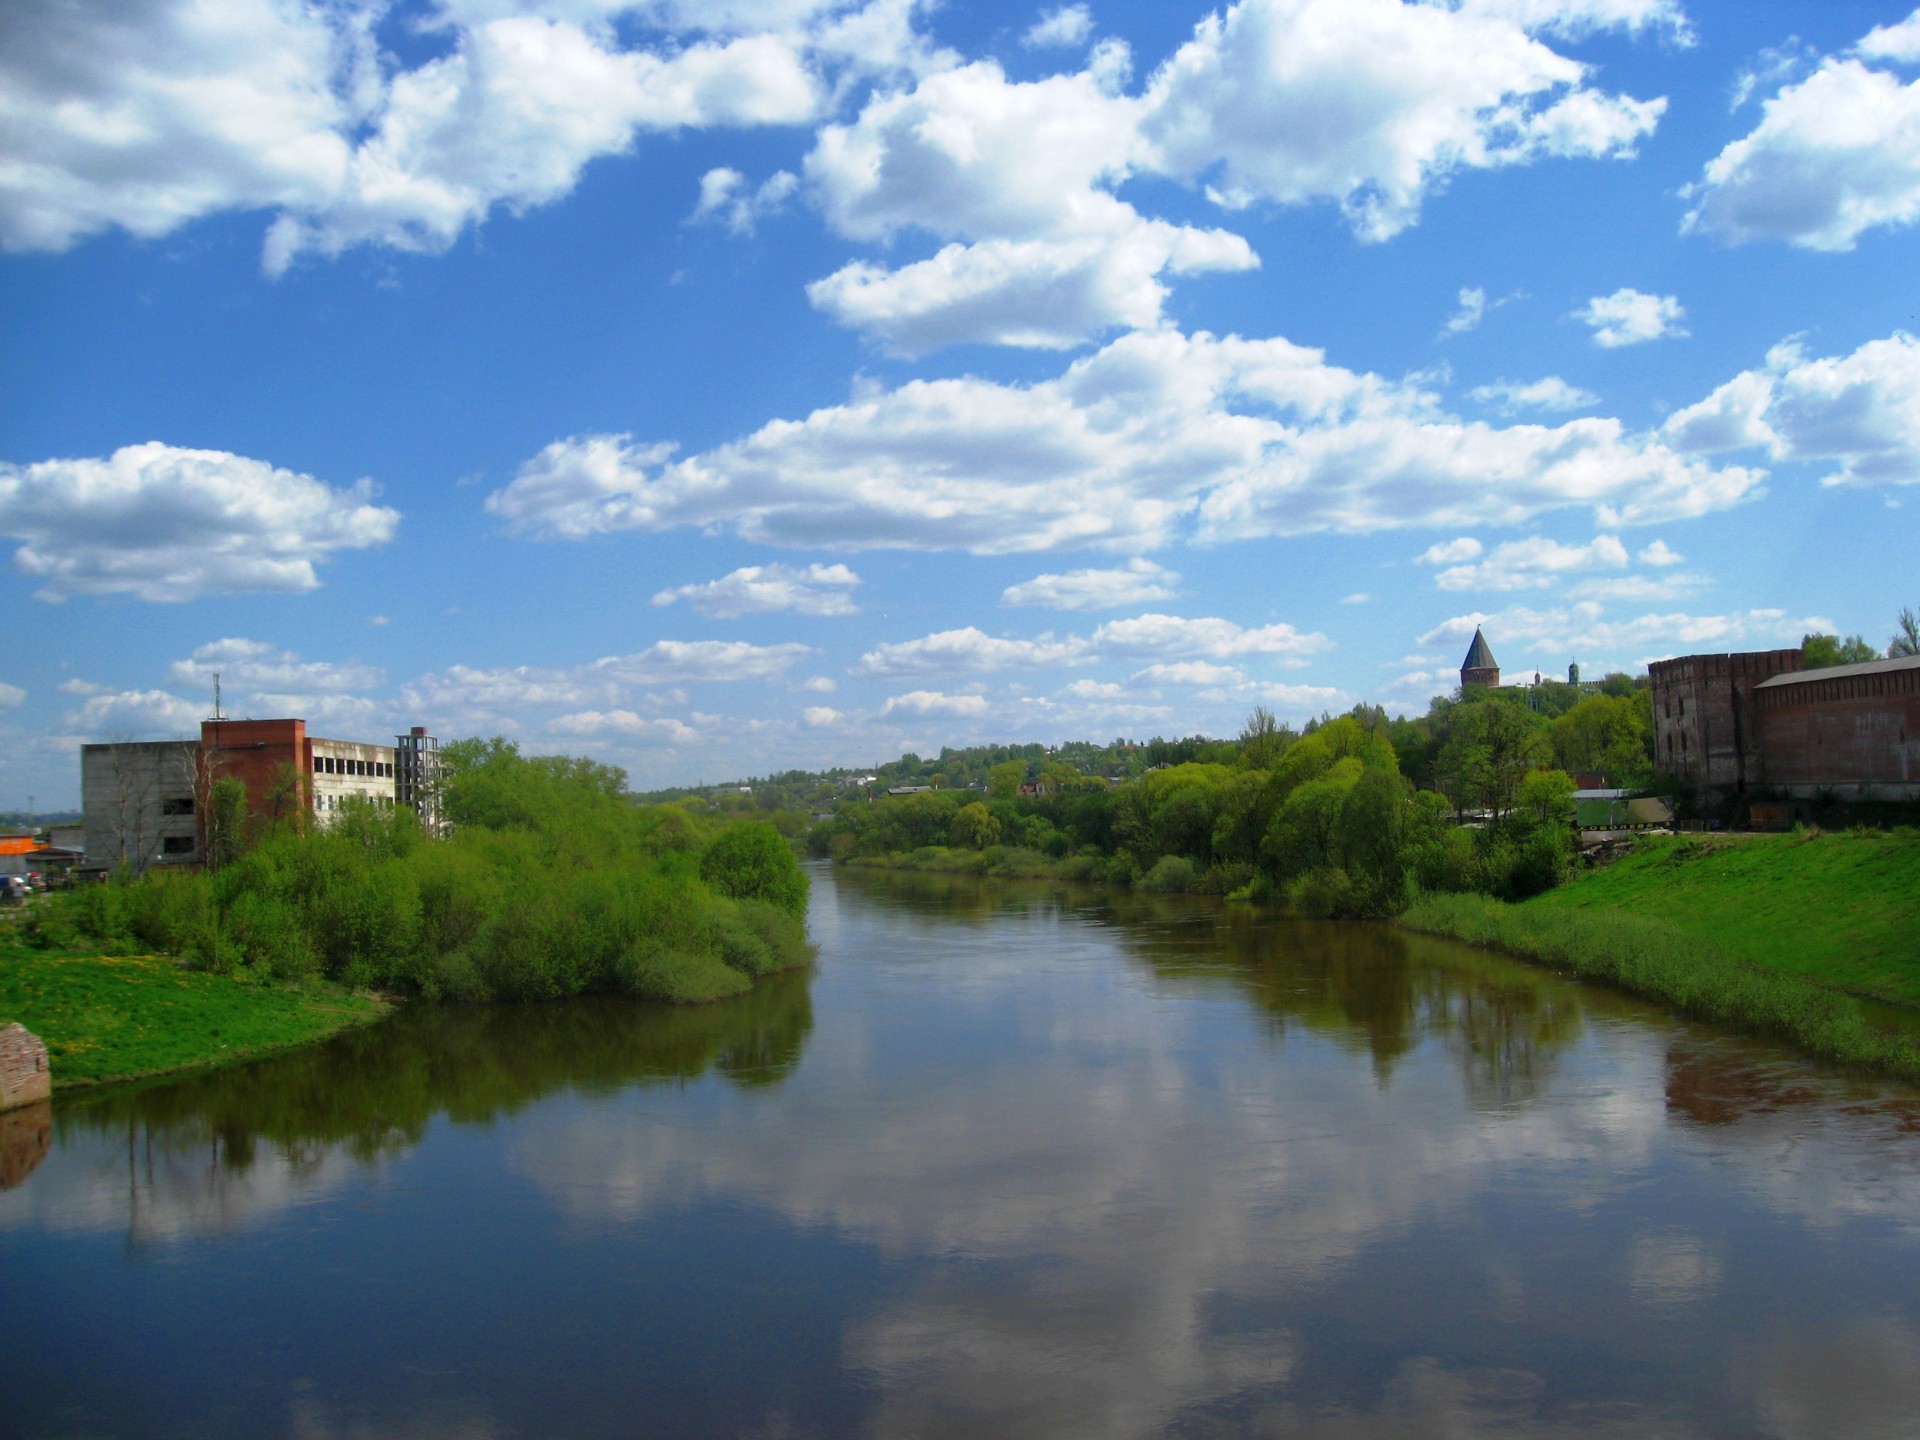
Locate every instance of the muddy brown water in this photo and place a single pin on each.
(1011, 1161)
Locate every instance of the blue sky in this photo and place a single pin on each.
(717, 388)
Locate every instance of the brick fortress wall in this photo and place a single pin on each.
(1854, 730)
(1706, 731)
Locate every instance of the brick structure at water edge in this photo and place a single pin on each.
(24, 1076)
(1735, 724)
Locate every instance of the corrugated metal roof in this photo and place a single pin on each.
(1844, 672)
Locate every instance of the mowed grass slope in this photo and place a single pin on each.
(1839, 909)
(120, 1017)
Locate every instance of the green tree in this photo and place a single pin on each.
(1906, 640)
(1824, 651)
(749, 861)
(974, 827)
(1004, 780)
(1612, 734)
(1488, 754)
(1262, 741)
(226, 823)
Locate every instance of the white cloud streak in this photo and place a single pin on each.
(762, 589)
(1134, 583)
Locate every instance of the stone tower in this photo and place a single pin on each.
(1479, 668)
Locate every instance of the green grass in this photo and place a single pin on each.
(109, 1018)
(1838, 909)
(1685, 970)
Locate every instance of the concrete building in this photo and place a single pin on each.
(138, 802)
(144, 803)
(1730, 725)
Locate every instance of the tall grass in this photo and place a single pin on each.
(1687, 972)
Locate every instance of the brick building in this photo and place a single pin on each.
(144, 803)
(1729, 725)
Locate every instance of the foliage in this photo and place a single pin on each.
(1906, 639)
(554, 883)
(749, 861)
(1824, 651)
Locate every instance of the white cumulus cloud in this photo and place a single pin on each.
(1017, 177)
(1137, 581)
(1630, 317)
(1857, 413)
(1834, 155)
(1374, 103)
(166, 524)
(726, 198)
(252, 666)
(1064, 26)
(11, 696)
(137, 715)
(759, 589)
(1531, 564)
(1154, 436)
(970, 648)
(147, 114)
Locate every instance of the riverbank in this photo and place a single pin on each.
(1766, 935)
(1841, 910)
(111, 1018)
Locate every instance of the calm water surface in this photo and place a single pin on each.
(1010, 1163)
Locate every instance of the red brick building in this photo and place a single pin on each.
(1761, 721)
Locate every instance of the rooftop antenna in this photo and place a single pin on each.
(216, 696)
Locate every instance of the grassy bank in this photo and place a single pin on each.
(1683, 969)
(1840, 910)
(122, 1017)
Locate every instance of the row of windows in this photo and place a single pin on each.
(340, 765)
(339, 802)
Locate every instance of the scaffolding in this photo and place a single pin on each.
(416, 778)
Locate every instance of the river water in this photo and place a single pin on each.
(1010, 1162)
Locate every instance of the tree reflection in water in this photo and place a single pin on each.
(372, 1093)
(1368, 988)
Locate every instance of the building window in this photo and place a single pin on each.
(179, 805)
(177, 845)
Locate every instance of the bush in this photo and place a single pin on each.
(750, 861)
(1171, 874)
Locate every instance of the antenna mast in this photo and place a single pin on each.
(216, 696)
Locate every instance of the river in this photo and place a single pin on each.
(1010, 1162)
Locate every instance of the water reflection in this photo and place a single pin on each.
(216, 1149)
(1017, 1162)
(26, 1133)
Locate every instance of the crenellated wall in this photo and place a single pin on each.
(1706, 731)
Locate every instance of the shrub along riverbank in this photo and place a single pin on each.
(554, 883)
(1757, 934)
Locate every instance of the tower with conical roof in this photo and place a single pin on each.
(1479, 668)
